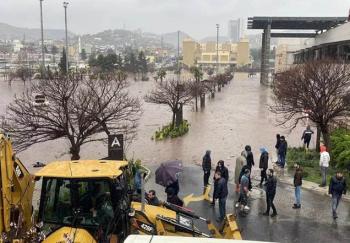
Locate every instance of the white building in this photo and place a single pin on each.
(236, 29)
(17, 45)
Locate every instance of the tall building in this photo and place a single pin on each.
(230, 54)
(236, 29)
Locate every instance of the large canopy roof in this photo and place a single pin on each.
(295, 23)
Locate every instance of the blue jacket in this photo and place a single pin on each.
(137, 182)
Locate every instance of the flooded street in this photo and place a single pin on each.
(237, 116)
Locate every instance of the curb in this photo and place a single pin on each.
(310, 186)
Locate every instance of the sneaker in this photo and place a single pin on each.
(209, 183)
(296, 206)
(246, 207)
(241, 214)
(212, 203)
(321, 185)
(245, 212)
(237, 205)
(335, 216)
(266, 214)
(273, 215)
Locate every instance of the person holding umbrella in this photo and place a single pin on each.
(167, 175)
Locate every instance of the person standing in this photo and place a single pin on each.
(337, 187)
(175, 186)
(263, 164)
(240, 162)
(277, 146)
(224, 173)
(307, 136)
(282, 151)
(244, 193)
(270, 193)
(250, 157)
(174, 199)
(206, 165)
(298, 181)
(221, 194)
(324, 164)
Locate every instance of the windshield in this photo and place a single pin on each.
(90, 200)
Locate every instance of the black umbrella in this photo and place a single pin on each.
(168, 172)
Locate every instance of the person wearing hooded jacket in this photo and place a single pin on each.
(240, 162)
(250, 157)
(337, 187)
(206, 165)
(307, 136)
(324, 164)
(137, 181)
(282, 151)
(298, 181)
(224, 174)
(277, 146)
(263, 164)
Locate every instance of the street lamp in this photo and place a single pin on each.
(178, 56)
(65, 5)
(5, 65)
(217, 48)
(42, 34)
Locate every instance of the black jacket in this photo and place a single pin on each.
(206, 164)
(175, 200)
(264, 160)
(337, 185)
(221, 189)
(250, 159)
(307, 134)
(223, 170)
(283, 147)
(271, 185)
(278, 143)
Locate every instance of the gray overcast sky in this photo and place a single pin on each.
(195, 17)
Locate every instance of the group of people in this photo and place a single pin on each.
(171, 190)
(281, 150)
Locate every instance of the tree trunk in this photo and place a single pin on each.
(75, 151)
(196, 103)
(179, 116)
(202, 99)
(173, 123)
(318, 139)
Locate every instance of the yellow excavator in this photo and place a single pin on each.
(87, 201)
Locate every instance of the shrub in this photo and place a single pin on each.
(340, 142)
(167, 131)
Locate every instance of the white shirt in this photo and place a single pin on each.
(324, 159)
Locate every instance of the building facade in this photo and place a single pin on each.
(236, 30)
(284, 54)
(205, 54)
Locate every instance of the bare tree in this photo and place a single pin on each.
(322, 87)
(173, 93)
(197, 89)
(23, 73)
(78, 110)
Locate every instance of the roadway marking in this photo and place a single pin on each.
(206, 196)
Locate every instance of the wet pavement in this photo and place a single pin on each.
(312, 223)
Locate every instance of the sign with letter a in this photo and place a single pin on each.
(115, 147)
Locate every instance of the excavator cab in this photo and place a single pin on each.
(96, 204)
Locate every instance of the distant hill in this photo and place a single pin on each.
(11, 32)
(171, 38)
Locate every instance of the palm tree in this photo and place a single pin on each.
(161, 74)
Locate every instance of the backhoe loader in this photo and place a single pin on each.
(87, 201)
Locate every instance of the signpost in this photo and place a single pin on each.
(115, 147)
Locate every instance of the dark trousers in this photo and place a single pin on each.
(263, 176)
(283, 159)
(222, 208)
(206, 177)
(336, 197)
(307, 142)
(269, 202)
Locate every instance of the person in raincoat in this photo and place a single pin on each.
(240, 162)
(307, 136)
(137, 181)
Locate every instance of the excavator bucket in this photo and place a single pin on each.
(229, 228)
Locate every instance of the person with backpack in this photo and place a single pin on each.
(263, 164)
(307, 136)
(337, 187)
(298, 181)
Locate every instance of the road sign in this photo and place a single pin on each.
(115, 147)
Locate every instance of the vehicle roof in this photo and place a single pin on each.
(83, 169)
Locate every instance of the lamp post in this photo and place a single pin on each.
(5, 65)
(178, 56)
(42, 34)
(65, 5)
(217, 49)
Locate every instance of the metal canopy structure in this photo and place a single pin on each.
(288, 23)
(293, 35)
(295, 23)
